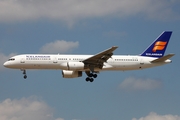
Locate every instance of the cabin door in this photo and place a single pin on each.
(22, 60)
(55, 60)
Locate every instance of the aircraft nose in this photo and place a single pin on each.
(6, 64)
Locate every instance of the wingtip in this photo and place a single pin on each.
(114, 46)
(172, 54)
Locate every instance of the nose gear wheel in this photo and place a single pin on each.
(24, 73)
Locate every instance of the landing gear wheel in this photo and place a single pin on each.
(87, 79)
(24, 73)
(91, 79)
(25, 76)
(95, 75)
(90, 75)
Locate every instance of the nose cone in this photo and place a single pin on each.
(6, 64)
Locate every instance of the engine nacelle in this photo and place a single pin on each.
(71, 74)
(72, 66)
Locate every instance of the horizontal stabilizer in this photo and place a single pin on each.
(163, 59)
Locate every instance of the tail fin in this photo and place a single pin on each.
(158, 47)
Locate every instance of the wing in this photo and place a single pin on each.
(96, 61)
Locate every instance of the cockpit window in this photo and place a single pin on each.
(11, 59)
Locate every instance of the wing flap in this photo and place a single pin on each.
(162, 59)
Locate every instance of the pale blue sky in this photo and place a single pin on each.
(88, 27)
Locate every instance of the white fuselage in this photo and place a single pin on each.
(49, 61)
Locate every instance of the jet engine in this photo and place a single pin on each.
(72, 66)
(71, 74)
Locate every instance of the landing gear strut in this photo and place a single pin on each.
(24, 73)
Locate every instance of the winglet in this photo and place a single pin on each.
(158, 47)
(162, 59)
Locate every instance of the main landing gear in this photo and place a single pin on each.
(91, 77)
(24, 73)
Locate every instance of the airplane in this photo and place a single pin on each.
(73, 66)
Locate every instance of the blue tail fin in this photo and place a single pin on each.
(158, 47)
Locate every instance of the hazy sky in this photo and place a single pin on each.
(88, 27)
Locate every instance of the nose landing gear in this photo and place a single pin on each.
(24, 73)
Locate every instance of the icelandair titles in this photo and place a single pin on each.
(153, 54)
(38, 57)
